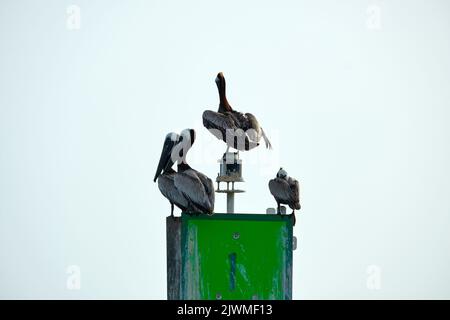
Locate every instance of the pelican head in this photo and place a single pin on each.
(221, 86)
(220, 82)
(282, 173)
(188, 136)
(220, 78)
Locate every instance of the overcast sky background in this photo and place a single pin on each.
(355, 96)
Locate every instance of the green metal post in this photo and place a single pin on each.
(239, 256)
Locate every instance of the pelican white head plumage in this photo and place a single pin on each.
(282, 174)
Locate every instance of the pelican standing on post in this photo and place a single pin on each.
(166, 175)
(238, 130)
(188, 189)
(285, 190)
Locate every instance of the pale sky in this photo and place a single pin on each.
(355, 96)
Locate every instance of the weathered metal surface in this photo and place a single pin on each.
(173, 242)
(242, 256)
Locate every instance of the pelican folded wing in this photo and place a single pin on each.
(191, 186)
(280, 189)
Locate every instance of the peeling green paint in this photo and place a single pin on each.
(236, 256)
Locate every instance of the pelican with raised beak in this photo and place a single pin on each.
(238, 130)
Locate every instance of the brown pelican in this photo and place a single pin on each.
(166, 175)
(285, 190)
(239, 131)
(188, 189)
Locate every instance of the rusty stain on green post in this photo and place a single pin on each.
(240, 256)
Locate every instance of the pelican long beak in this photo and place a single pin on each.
(165, 161)
(161, 165)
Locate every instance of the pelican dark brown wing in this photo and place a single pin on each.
(258, 130)
(238, 130)
(281, 190)
(215, 121)
(209, 188)
(295, 190)
(285, 192)
(224, 126)
(191, 186)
